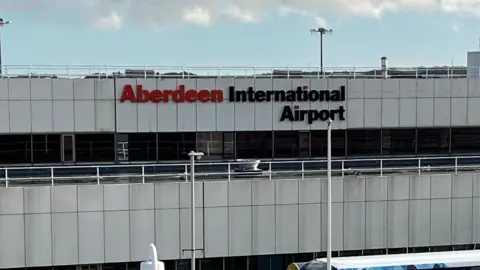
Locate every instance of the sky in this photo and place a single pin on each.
(262, 33)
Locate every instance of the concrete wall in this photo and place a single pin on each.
(115, 223)
(88, 105)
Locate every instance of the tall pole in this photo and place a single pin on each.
(321, 53)
(192, 198)
(321, 32)
(2, 24)
(193, 155)
(329, 194)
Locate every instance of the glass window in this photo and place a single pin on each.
(433, 141)
(465, 140)
(260, 263)
(122, 147)
(114, 266)
(214, 264)
(364, 142)
(95, 147)
(319, 143)
(15, 149)
(47, 148)
(399, 142)
(304, 143)
(254, 144)
(211, 144)
(68, 148)
(175, 146)
(236, 263)
(186, 264)
(142, 147)
(291, 144)
(228, 145)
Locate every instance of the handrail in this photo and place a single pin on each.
(186, 72)
(227, 170)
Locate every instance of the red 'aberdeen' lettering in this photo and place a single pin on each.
(178, 96)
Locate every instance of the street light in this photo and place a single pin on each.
(321, 32)
(193, 155)
(329, 194)
(2, 24)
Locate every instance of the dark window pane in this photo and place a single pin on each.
(122, 147)
(15, 149)
(319, 143)
(68, 148)
(142, 146)
(95, 147)
(228, 145)
(175, 146)
(47, 148)
(114, 266)
(185, 264)
(260, 263)
(433, 141)
(254, 144)
(212, 264)
(290, 144)
(211, 144)
(399, 142)
(236, 263)
(364, 142)
(465, 140)
(304, 144)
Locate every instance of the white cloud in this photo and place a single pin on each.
(320, 22)
(112, 21)
(198, 15)
(242, 15)
(455, 28)
(109, 14)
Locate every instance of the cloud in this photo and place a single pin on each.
(111, 14)
(112, 21)
(198, 15)
(455, 28)
(320, 22)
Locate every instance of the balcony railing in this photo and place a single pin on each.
(186, 72)
(230, 171)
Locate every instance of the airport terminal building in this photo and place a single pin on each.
(144, 117)
(126, 120)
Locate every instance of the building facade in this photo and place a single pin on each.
(250, 224)
(119, 120)
(240, 225)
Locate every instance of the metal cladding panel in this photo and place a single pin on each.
(225, 111)
(244, 112)
(61, 225)
(265, 112)
(93, 105)
(205, 114)
(336, 85)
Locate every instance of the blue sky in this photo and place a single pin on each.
(408, 36)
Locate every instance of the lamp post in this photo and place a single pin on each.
(193, 155)
(321, 32)
(329, 194)
(2, 24)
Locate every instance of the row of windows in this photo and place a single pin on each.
(266, 262)
(138, 147)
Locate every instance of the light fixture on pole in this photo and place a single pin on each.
(329, 194)
(2, 24)
(193, 155)
(321, 32)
